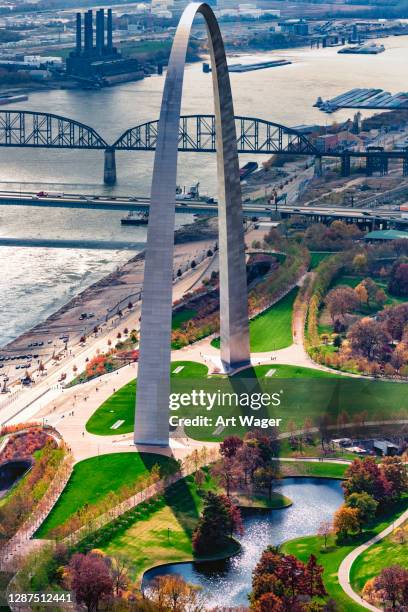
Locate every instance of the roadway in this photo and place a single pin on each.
(142, 204)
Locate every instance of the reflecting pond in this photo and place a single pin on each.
(11, 472)
(227, 583)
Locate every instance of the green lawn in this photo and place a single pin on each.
(121, 405)
(383, 554)
(93, 479)
(182, 316)
(315, 469)
(164, 536)
(333, 556)
(316, 258)
(305, 392)
(271, 330)
(276, 502)
(284, 371)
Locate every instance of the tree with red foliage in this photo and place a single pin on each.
(398, 284)
(227, 472)
(395, 473)
(230, 446)
(285, 582)
(249, 458)
(341, 300)
(369, 338)
(314, 578)
(235, 518)
(90, 580)
(391, 586)
(365, 476)
(395, 319)
(269, 602)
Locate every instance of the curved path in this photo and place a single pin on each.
(345, 566)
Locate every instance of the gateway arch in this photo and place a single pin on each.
(153, 386)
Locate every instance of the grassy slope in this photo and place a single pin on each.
(94, 478)
(333, 556)
(383, 554)
(181, 317)
(271, 330)
(121, 405)
(316, 258)
(148, 542)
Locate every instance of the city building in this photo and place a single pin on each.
(298, 27)
(98, 60)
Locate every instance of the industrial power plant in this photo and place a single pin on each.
(95, 60)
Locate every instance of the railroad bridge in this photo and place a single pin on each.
(19, 128)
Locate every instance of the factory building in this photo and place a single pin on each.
(95, 58)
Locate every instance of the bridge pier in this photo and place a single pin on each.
(376, 163)
(405, 165)
(318, 169)
(109, 171)
(345, 165)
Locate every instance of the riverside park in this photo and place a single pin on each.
(234, 434)
(313, 476)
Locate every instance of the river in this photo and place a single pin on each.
(36, 281)
(227, 583)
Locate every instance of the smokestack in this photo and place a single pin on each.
(110, 31)
(78, 33)
(100, 31)
(88, 32)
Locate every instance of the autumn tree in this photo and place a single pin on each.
(366, 506)
(226, 472)
(360, 263)
(371, 288)
(391, 587)
(346, 521)
(91, 580)
(314, 578)
(229, 446)
(172, 593)
(341, 300)
(265, 477)
(361, 293)
(285, 582)
(249, 458)
(398, 284)
(365, 476)
(395, 473)
(119, 573)
(369, 338)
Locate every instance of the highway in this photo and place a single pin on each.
(142, 204)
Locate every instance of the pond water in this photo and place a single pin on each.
(10, 473)
(227, 583)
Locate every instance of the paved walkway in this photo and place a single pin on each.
(345, 567)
